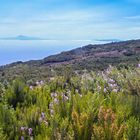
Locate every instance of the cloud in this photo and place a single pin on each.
(51, 24)
(134, 17)
(63, 22)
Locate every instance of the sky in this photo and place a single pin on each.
(70, 19)
(65, 24)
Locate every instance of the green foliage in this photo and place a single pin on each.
(88, 106)
(7, 122)
(17, 94)
(133, 129)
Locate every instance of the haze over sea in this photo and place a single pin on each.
(24, 50)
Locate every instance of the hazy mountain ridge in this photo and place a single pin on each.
(115, 49)
(22, 37)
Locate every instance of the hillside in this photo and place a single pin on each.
(117, 49)
(56, 99)
(90, 57)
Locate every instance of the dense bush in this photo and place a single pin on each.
(91, 106)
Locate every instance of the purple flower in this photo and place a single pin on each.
(31, 87)
(111, 81)
(56, 101)
(30, 130)
(41, 82)
(52, 112)
(22, 128)
(139, 65)
(22, 138)
(43, 115)
(50, 105)
(53, 95)
(105, 90)
(113, 85)
(65, 98)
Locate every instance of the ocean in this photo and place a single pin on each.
(24, 50)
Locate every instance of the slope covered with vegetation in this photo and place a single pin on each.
(90, 57)
(90, 106)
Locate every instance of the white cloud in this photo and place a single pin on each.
(70, 24)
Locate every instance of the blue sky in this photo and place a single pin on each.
(70, 19)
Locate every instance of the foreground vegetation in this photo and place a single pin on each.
(91, 106)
